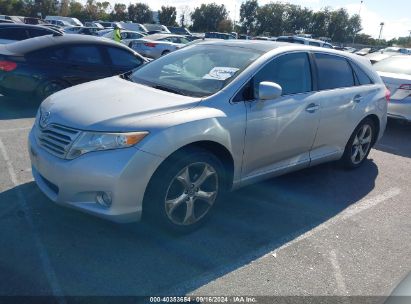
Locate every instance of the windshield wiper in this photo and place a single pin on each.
(168, 89)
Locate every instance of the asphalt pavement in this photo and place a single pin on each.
(322, 231)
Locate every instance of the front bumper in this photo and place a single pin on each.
(124, 173)
(400, 109)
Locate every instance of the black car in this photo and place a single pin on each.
(17, 32)
(38, 67)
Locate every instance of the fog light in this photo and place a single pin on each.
(104, 199)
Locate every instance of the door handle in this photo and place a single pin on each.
(312, 107)
(357, 98)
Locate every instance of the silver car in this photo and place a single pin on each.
(396, 73)
(157, 45)
(167, 139)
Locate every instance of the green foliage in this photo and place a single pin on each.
(207, 17)
(140, 13)
(168, 15)
(248, 14)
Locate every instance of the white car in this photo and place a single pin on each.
(127, 37)
(157, 45)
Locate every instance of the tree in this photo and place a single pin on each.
(207, 17)
(119, 12)
(354, 25)
(248, 12)
(319, 23)
(140, 13)
(296, 19)
(168, 15)
(45, 7)
(64, 8)
(185, 14)
(225, 25)
(270, 19)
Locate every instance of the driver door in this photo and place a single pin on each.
(281, 132)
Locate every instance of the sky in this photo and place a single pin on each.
(394, 13)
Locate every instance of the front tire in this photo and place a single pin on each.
(359, 145)
(184, 190)
(50, 87)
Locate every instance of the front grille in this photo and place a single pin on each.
(56, 139)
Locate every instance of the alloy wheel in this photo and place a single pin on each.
(361, 144)
(191, 193)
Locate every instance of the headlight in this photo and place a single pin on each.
(97, 141)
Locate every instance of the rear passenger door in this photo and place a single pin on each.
(342, 99)
(86, 63)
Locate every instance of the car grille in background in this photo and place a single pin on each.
(56, 139)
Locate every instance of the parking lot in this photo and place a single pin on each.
(321, 231)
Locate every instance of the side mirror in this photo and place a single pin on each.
(269, 90)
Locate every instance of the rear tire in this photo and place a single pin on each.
(183, 192)
(359, 145)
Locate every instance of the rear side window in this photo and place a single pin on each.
(313, 43)
(84, 54)
(333, 72)
(54, 54)
(38, 32)
(362, 77)
(123, 58)
(291, 71)
(13, 34)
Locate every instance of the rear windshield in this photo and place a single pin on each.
(398, 65)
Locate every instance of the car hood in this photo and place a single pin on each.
(112, 104)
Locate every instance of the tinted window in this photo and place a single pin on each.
(292, 72)
(13, 34)
(123, 58)
(84, 54)
(313, 43)
(362, 77)
(48, 54)
(38, 32)
(333, 72)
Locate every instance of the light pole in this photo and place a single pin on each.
(382, 25)
(359, 15)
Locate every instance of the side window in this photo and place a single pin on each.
(54, 54)
(362, 77)
(291, 71)
(123, 58)
(13, 34)
(38, 32)
(333, 72)
(313, 43)
(84, 54)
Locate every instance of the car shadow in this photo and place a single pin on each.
(94, 257)
(11, 108)
(396, 139)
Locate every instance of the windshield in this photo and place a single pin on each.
(196, 71)
(391, 50)
(399, 65)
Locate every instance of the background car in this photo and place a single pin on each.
(16, 32)
(83, 30)
(38, 67)
(395, 71)
(127, 37)
(156, 27)
(157, 45)
(304, 40)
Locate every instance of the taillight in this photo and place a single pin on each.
(387, 95)
(405, 87)
(7, 66)
(150, 44)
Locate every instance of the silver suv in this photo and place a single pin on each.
(170, 137)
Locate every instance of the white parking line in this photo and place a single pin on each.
(45, 260)
(337, 273)
(14, 129)
(287, 241)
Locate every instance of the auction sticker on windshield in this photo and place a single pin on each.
(220, 73)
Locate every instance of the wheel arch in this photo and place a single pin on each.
(377, 126)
